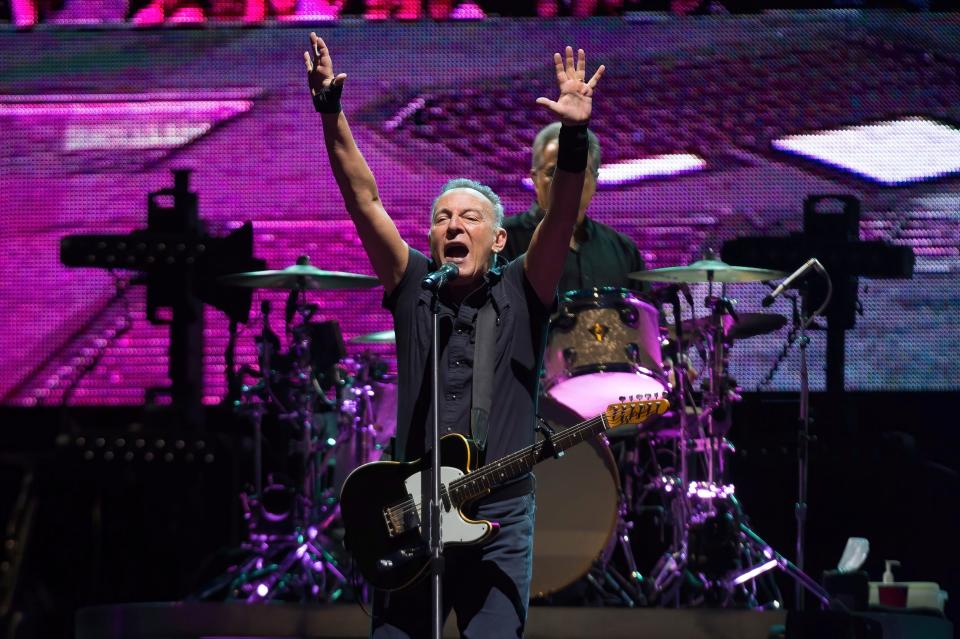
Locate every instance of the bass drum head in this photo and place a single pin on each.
(577, 501)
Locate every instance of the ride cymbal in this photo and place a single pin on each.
(300, 277)
(708, 270)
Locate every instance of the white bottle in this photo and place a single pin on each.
(888, 573)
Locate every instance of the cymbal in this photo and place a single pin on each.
(380, 337)
(300, 276)
(753, 324)
(750, 325)
(705, 271)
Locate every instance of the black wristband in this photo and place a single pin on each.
(572, 154)
(327, 99)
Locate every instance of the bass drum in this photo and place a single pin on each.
(577, 500)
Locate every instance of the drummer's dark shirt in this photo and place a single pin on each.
(521, 339)
(604, 257)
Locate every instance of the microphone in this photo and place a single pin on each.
(785, 284)
(435, 281)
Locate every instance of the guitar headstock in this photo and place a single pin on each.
(635, 411)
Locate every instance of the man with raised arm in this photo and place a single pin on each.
(599, 255)
(487, 585)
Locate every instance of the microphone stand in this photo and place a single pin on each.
(434, 538)
(803, 432)
(803, 443)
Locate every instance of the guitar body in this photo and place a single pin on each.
(390, 559)
(383, 503)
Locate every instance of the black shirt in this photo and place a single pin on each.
(603, 258)
(521, 339)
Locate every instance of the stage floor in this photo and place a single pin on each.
(347, 621)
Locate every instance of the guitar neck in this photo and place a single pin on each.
(517, 464)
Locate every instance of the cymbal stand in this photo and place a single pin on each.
(303, 561)
(760, 556)
(298, 561)
(631, 584)
(700, 497)
(667, 573)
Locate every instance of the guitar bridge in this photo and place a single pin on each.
(400, 518)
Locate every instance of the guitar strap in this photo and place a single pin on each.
(484, 351)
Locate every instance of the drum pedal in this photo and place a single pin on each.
(547, 431)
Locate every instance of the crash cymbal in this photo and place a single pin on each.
(706, 271)
(749, 325)
(380, 337)
(300, 276)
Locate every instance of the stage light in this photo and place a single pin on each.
(892, 152)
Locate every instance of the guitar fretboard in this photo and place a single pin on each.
(497, 473)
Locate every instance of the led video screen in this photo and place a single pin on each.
(711, 129)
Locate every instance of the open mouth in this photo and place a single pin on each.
(455, 252)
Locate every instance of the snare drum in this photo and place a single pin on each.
(604, 344)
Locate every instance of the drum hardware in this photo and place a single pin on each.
(713, 547)
(290, 549)
(367, 416)
(803, 436)
(630, 586)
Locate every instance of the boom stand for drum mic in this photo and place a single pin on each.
(803, 434)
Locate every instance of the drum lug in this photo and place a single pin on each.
(569, 357)
(564, 321)
(632, 351)
(629, 316)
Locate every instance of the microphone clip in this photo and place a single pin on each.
(435, 280)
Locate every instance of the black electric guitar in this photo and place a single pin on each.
(382, 503)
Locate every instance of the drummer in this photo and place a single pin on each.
(599, 255)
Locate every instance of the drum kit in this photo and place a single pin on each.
(317, 413)
(607, 343)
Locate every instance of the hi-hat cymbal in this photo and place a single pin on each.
(749, 325)
(706, 271)
(753, 324)
(300, 276)
(380, 337)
